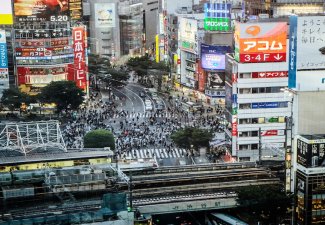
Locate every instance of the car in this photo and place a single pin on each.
(148, 107)
(142, 94)
(147, 101)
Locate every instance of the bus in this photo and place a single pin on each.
(224, 219)
(191, 107)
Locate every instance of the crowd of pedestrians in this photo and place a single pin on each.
(131, 134)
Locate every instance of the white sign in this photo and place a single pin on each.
(188, 30)
(310, 80)
(105, 15)
(311, 42)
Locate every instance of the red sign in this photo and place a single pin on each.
(262, 57)
(201, 76)
(234, 130)
(80, 73)
(269, 133)
(178, 61)
(273, 74)
(33, 43)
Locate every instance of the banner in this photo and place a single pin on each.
(80, 73)
(4, 76)
(38, 11)
(105, 15)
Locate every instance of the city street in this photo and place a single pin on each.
(140, 132)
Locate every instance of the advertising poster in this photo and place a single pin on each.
(75, 8)
(310, 155)
(188, 35)
(105, 15)
(310, 80)
(41, 10)
(4, 76)
(80, 73)
(213, 57)
(6, 13)
(261, 42)
(310, 43)
(217, 16)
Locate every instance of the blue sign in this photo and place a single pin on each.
(213, 57)
(3, 56)
(267, 105)
(292, 72)
(217, 10)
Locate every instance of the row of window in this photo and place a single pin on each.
(260, 90)
(262, 120)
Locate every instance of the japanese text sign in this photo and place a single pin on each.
(80, 77)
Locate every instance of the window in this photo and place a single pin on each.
(245, 106)
(245, 75)
(254, 120)
(262, 90)
(244, 91)
(243, 134)
(254, 133)
(254, 90)
(254, 146)
(244, 121)
(243, 147)
(261, 120)
(244, 159)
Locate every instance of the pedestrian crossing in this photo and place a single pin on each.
(161, 153)
(144, 115)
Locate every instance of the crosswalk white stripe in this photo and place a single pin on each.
(157, 153)
(177, 152)
(172, 153)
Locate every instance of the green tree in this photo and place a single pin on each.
(13, 98)
(65, 94)
(99, 139)
(114, 77)
(269, 200)
(192, 136)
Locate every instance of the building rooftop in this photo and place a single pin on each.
(12, 157)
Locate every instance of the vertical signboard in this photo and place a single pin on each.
(105, 15)
(292, 52)
(4, 76)
(260, 42)
(75, 7)
(217, 16)
(201, 77)
(80, 73)
(6, 13)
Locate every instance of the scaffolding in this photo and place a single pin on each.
(29, 136)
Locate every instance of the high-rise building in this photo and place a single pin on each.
(256, 107)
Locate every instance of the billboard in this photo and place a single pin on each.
(307, 47)
(38, 11)
(105, 15)
(75, 8)
(213, 57)
(4, 76)
(79, 49)
(6, 13)
(217, 16)
(268, 105)
(271, 74)
(311, 80)
(260, 42)
(188, 35)
(310, 154)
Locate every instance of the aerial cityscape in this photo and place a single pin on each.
(162, 112)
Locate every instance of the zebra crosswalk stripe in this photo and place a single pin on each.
(154, 152)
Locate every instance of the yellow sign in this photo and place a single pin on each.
(157, 48)
(6, 13)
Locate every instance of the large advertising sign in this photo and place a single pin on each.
(217, 16)
(44, 10)
(307, 47)
(310, 80)
(188, 35)
(3, 58)
(213, 57)
(260, 42)
(310, 154)
(6, 13)
(105, 15)
(267, 105)
(80, 73)
(75, 7)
